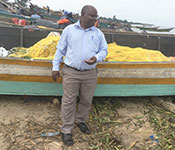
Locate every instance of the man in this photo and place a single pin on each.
(83, 46)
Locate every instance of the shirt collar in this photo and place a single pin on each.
(78, 25)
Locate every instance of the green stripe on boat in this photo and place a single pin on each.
(55, 89)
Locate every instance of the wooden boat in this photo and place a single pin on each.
(161, 29)
(156, 29)
(8, 15)
(33, 77)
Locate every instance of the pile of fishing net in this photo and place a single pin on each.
(128, 54)
(46, 48)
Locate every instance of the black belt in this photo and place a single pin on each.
(78, 69)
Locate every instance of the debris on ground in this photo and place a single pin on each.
(117, 123)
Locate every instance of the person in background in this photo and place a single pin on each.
(65, 20)
(97, 24)
(48, 10)
(83, 46)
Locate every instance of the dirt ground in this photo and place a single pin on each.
(119, 124)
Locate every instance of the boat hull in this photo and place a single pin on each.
(26, 77)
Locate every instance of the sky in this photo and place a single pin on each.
(157, 12)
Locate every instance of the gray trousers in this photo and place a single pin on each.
(76, 83)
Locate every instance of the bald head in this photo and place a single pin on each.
(88, 16)
(87, 8)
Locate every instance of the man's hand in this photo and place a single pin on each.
(91, 61)
(55, 74)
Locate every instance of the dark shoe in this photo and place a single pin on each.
(83, 127)
(67, 139)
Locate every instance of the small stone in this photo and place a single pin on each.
(55, 101)
(172, 120)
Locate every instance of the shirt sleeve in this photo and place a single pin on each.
(60, 51)
(103, 46)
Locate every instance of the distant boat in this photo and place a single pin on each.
(148, 28)
(156, 29)
(7, 15)
(160, 29)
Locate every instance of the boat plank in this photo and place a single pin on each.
(48, 63)
(54, 89)
(101, 80)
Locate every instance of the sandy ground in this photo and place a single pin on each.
(23, 119)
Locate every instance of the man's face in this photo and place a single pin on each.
(89, 18)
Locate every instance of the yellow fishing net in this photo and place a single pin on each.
(46, 48)
(128, 54)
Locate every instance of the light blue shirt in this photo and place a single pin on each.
(77, 45)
